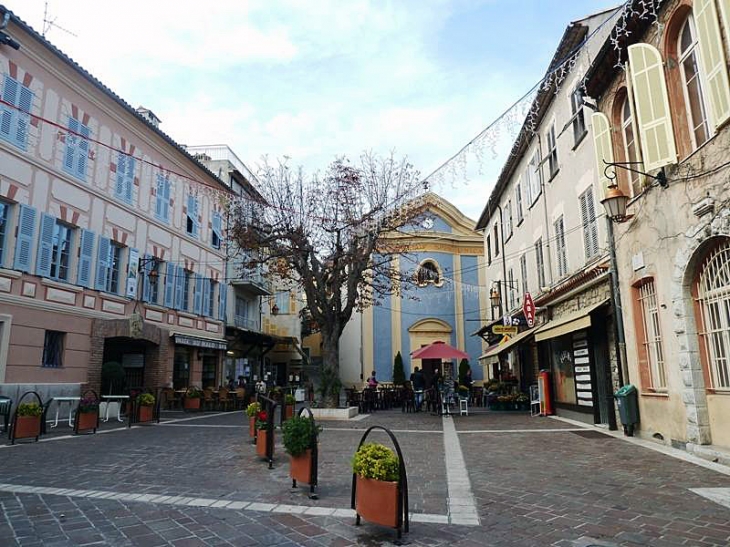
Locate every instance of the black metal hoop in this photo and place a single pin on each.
(402, 517)
(314, 450)
(78, 406)
(13, 428)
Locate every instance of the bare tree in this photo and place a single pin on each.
(328, 235)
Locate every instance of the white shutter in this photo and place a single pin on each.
(725, 12)
(713, 59)
(654, 120)
(603, 149)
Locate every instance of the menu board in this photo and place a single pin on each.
(582, 369)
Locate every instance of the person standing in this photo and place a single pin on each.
(372, 381)
(418, 383)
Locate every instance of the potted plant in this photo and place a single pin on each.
(262, 432)
(87, 416)
(192, 398)
(523, 401)
(289, 403)
(377, 470)
(145, 402)
(251, 411)
(298, 433)
(28, 420)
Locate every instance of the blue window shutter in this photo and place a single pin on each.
(159, 196)
(170, 285)
(121, 170)
(102, 263)
(70, 152)
(86, 258)
(25, 103)
(222, 300)
(45, 246)
(148, 263)
(129, 179)
(24, 243)
(9, 114)
(217, 228)
(191, 212)
(82, 152)
(166, 200)
(207, 288)
(179, 286)
(197, 307)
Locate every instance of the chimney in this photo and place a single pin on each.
(148, 115)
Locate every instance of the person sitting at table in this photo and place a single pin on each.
(372, 381)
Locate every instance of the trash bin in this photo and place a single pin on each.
(628, 408)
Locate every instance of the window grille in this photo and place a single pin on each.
(652, 335)
(713, 289)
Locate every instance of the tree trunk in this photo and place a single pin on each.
(330, 373)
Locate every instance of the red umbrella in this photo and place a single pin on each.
(439, 350)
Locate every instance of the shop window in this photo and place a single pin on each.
(53, 349)
(713, 293)
(648, 330)
(563, 370)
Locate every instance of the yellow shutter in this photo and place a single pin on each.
(713, 59)
(637, 141)
(725, 11)
(603, 149)
(654, 121)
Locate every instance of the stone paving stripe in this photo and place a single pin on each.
(434, 519)
(291, 509)
(662, 449)
(361, 431)
(238, 505)
(457, 477)
(319, 511)
(558, 430)
(718, 495)
(258, 506)
(211, 426)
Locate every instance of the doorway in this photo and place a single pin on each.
(210, 366)
(181, 368)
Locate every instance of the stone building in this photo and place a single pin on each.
(664, 102)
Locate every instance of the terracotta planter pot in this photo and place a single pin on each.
(261, 443)
(377, 501)
(146, 413)
(27, 426)
(87, 420)
(300, 467)
(192, 403)
(252, 426)
(288, 411)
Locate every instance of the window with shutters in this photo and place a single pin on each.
(193, 223)
(211, 298)
(511, 288)
(533, 179)
(692, 87)
(162, 198)
(76, 154)
(4, 218)
(552, 150)
(60, 255)
(508, 220)
(518, 201)
(15, 108)
(152, 278)
(496, 240)
(217, 231)
(282, 302)
(114, 268)
(523, 273)
(649, 333)
(53, 349)
(560, 249)
(489, 249)
(124, 187)
(590, 225)
(713, 292)
(187, 277)
(630, 147)
(579, 122)
(540, 263)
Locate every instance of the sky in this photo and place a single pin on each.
(317, 79)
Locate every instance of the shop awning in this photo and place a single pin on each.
(499, 348)
(572, 322)
(199, 342)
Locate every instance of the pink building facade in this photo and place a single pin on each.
(110, 235)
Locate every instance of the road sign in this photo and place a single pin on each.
(501, 329)
(528, 308)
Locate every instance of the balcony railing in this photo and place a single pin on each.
(246, 323)
(254, 280)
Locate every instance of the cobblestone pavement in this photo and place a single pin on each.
(195, 480)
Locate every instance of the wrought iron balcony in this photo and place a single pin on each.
(253, 281)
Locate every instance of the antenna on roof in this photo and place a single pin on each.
(48, 23)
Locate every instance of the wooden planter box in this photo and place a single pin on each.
(377, 501)
(146, 413)
(288, 411)
(261, 443)
(300, 467)
(192, 403)
(87, 420)
(252, 426)
(27, 426)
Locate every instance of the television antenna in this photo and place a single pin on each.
(48, 23)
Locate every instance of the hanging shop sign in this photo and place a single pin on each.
(501, 329)
(528, 309)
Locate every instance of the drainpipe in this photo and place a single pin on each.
(619, 334)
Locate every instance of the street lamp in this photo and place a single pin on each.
(615, 204)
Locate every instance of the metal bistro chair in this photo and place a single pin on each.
(224, 401)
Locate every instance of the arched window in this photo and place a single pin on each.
(631, 148)
(688, 55)
(713, 291)
(429, 272)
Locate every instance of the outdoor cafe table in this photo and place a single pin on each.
(111, 399)
(70, 401)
